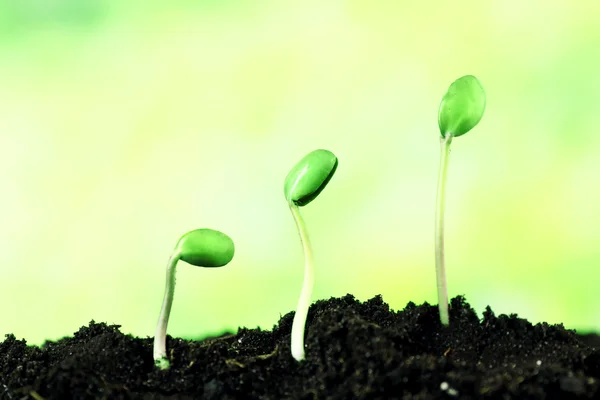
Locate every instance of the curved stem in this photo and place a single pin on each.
(160, 337)
(298, 326)
(440, 269)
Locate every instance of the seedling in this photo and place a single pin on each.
(461, 109)
(202, 248)
(302, 185)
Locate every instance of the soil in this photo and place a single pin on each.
(354, 350)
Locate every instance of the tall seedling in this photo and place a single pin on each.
(302, 185)
(461, 109)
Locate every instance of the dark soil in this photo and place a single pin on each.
(354, 351)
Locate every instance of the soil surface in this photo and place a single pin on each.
(354, 350)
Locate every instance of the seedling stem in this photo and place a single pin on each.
(160, 337)
(440, 268)
(297, 344)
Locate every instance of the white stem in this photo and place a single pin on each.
(160, 337)
(298, 326)
(440, 269)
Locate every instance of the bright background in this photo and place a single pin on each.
(125, 124)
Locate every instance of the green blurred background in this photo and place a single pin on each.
(125, 124)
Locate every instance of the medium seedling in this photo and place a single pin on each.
(202, 248)
(461, 109)
(302, 185)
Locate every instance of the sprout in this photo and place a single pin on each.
(202, 248)
(460, 110)
(302, 185)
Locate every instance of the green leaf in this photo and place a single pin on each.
(309, 177)
(206, 248)
(462, 106)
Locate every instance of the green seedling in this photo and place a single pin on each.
(302, 185)
(461, 109)
(202, 248)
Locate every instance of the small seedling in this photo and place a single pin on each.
(461, 109)
(302, 185)
(202, 248)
